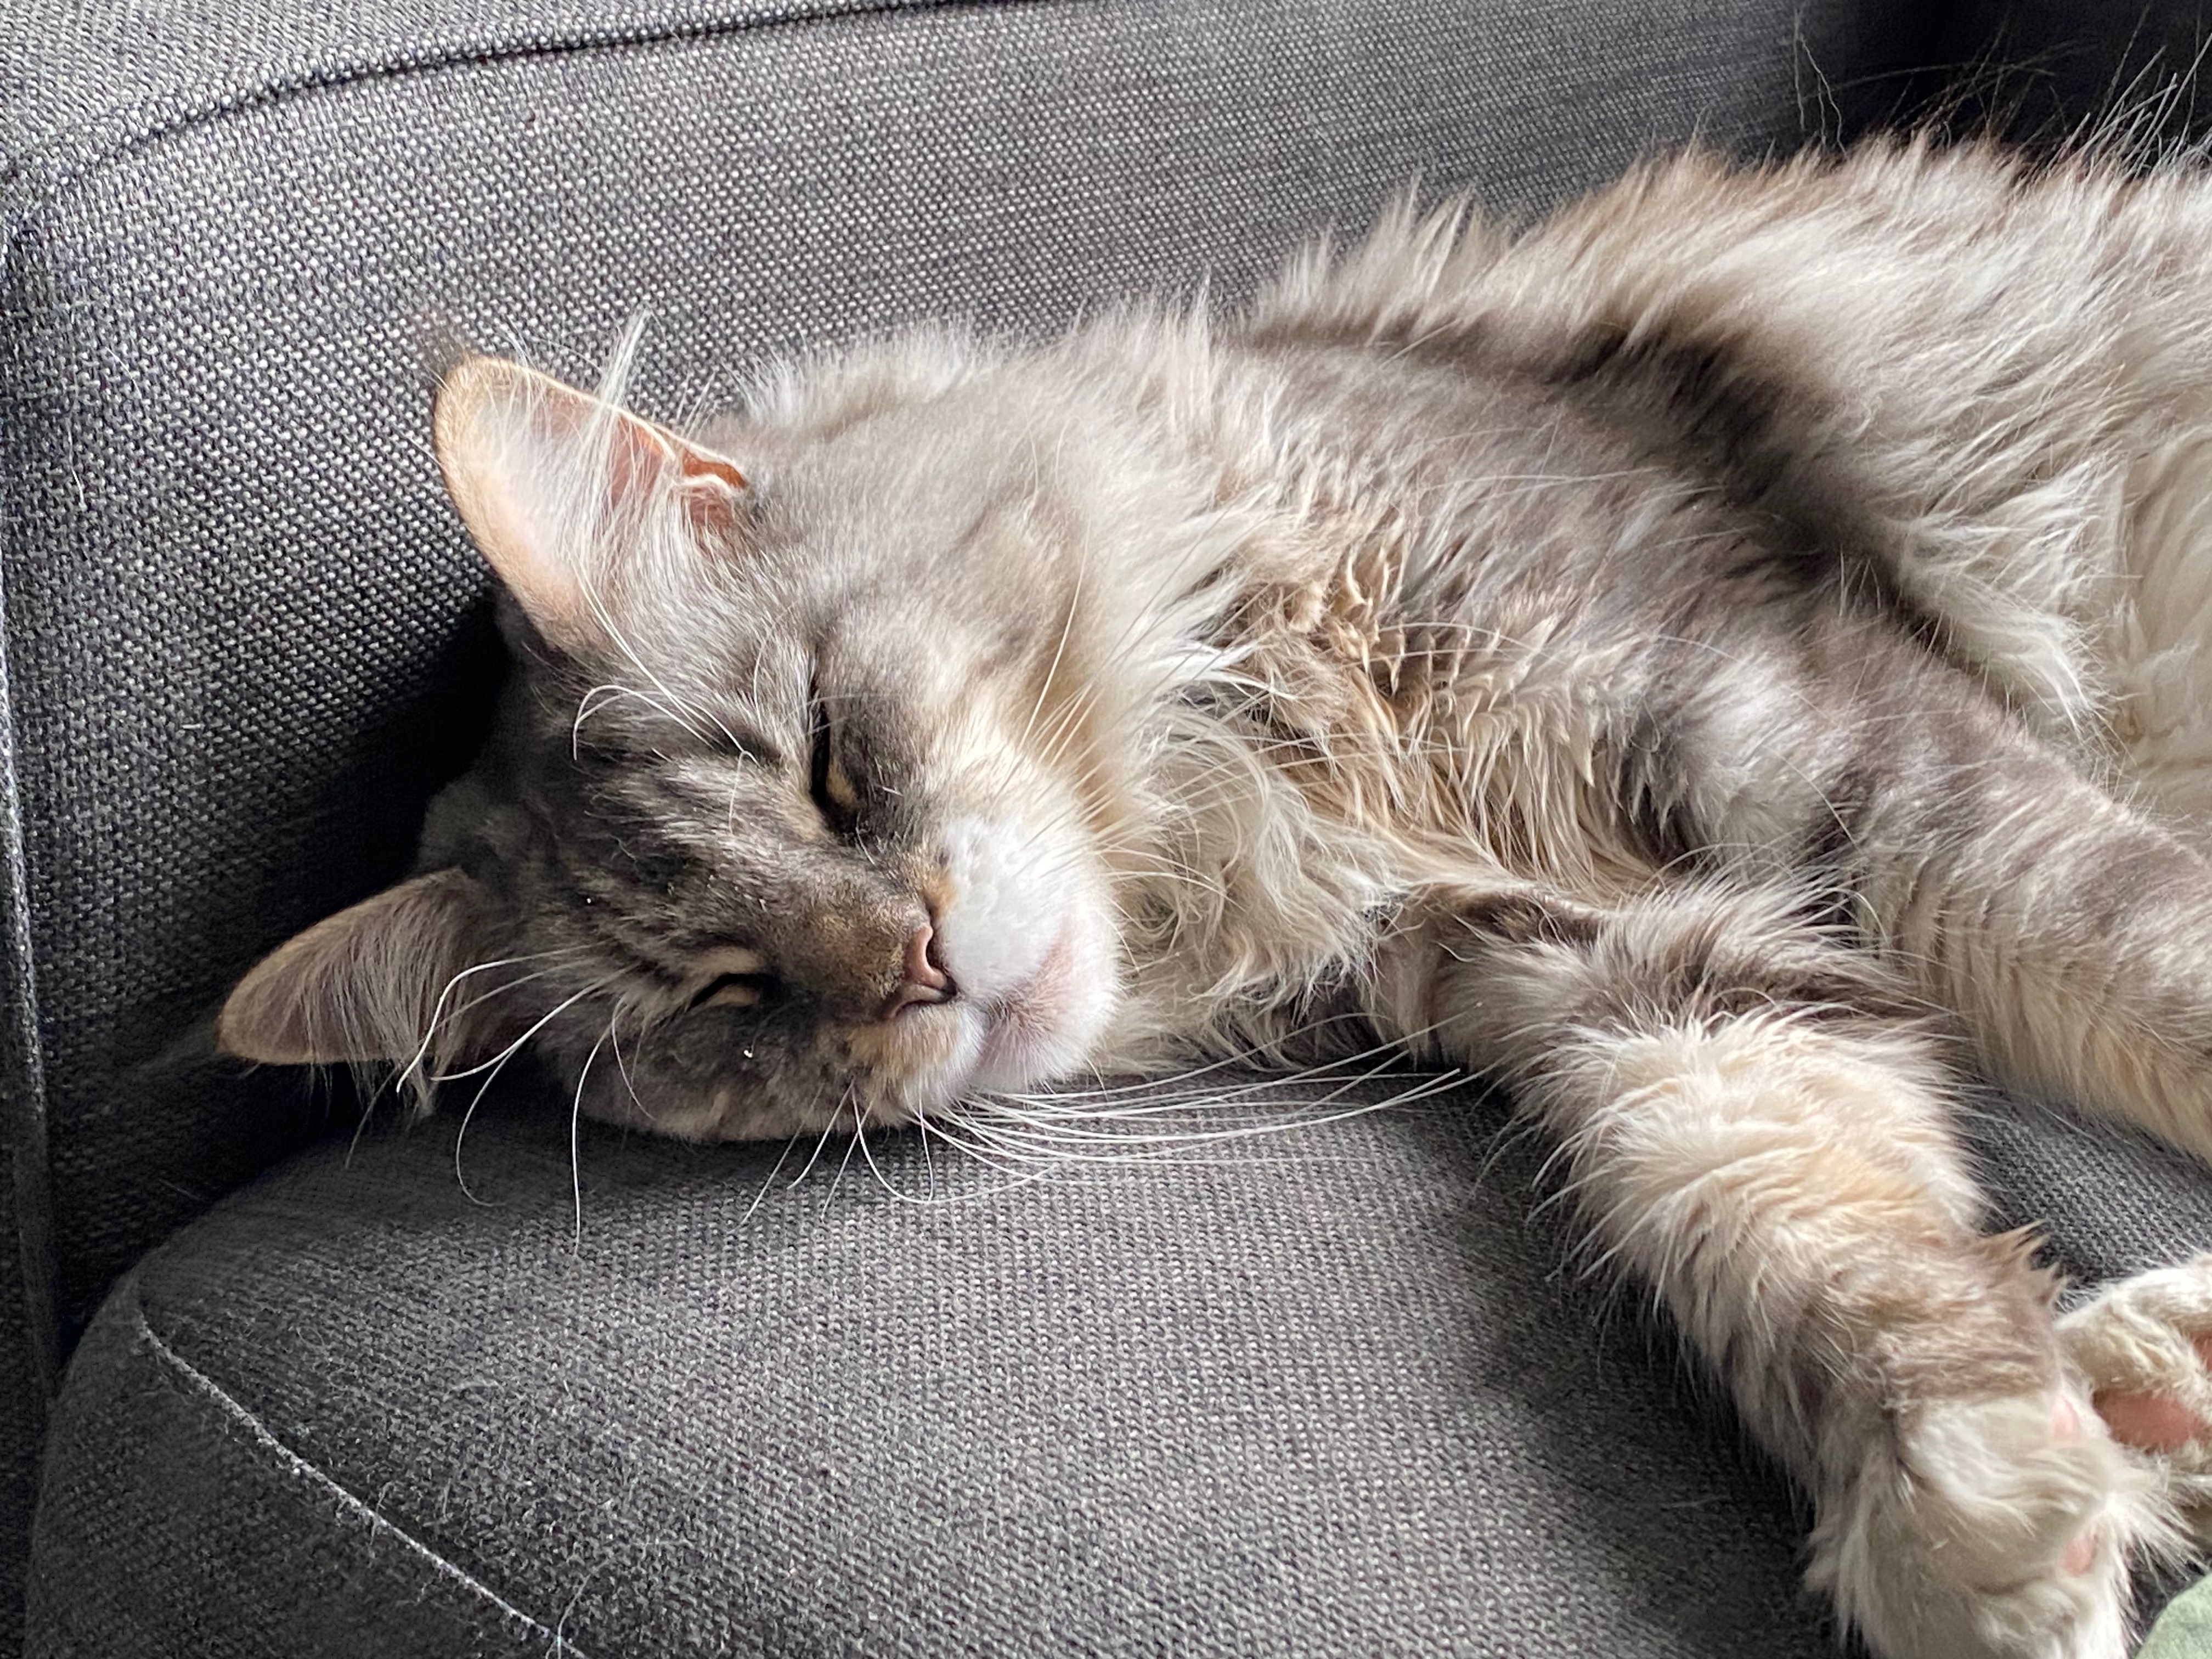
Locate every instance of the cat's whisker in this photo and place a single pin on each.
(1038, 1114)
(621, 1070)
(1059, 650)
(767, 1185)
(859, 1130)
(1098, 1104)
(1014, 1175)
(503, 988)
(890, 1189)
(600, 697)
(575, 1139)
(682, 713)
(1056, 1144)
(413, 1064)
(492, 1069)
(1242, 1058)
(928, 1163)
(1066, 722)
(1109, 1122)
(514, 1047)
(828, 1128)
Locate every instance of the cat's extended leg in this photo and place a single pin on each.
(1755, 1126)
(2070, 934)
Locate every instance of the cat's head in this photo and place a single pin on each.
(804, 799)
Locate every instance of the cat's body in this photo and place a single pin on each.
(1682, 662)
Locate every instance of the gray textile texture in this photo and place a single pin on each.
(23, 1387)
(1324, 1393)
(1341, 1389)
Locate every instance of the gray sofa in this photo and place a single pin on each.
(277, 1392)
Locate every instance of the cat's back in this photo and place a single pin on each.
(1545, 494)
(1981, 381)
(1466, 587)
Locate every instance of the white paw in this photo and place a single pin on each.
(2143, 1350)
(1993, 1529)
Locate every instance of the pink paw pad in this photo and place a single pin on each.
(2147, 1421)
(2080, 1554)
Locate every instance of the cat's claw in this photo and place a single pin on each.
(2144, 1349)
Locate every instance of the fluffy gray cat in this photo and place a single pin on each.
(1721, 662)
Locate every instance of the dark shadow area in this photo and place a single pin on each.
(148, 1140)
(2051, 73)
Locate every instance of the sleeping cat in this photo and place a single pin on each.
(1723, 663)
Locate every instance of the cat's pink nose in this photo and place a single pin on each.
(921, 980)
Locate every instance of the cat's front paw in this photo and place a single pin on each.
(2144, 1349)
(1988, 1529)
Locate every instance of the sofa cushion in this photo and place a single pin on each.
(1322, 1392)
(1338, 1389)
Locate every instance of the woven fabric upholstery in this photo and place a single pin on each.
(1341, 1390)
(22, 1422)
(1323, 1396)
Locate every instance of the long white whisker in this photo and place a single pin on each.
(807, 1169)
(760, 1197)
(438, 1008)
(575, 1128)
(1074, 604)
(495, 1066)
(845, 1162)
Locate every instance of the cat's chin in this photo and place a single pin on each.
(1038, 1034)
(1035, 1033)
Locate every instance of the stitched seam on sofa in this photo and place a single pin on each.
(22, 1052)
(298, 1466)
(22, 189)
(22, 1076)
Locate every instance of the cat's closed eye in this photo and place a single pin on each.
(831, 787)
(743, 980)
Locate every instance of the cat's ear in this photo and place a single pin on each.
(562, 489)
(365, 984)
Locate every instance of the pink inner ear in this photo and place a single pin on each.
(508, 438)
(637, 460)
(640, 455)
(697, 464)
(491, 419)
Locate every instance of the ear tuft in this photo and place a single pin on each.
(364, 985)
(566, 492)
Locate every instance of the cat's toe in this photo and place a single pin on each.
(2143, 1348)
(1995, 1528)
